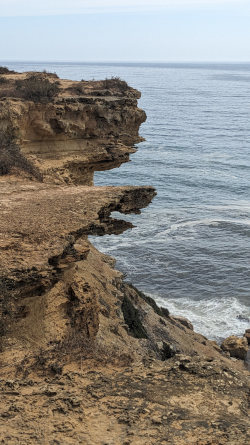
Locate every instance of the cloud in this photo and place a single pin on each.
(65, 7)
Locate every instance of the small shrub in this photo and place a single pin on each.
(117, 83)
(2, 328)
(37, 88)
(75, 346)
(53, 75)
(5, 70)
(8, 91)
(3, 80)
(10, 156)
(76, 88)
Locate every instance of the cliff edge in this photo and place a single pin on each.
(84, 356)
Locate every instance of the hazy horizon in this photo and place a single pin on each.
(159, 31)
(132, 62)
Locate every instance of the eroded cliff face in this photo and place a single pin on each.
(77, 340)
(88, 126)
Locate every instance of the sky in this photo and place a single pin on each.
(125, 30)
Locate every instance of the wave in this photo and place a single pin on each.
(234, 225)
(216, 318)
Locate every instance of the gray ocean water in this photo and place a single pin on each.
(190, 249)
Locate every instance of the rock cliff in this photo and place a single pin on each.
(88, 126)
(93, 357)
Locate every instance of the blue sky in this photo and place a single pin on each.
(125, 30)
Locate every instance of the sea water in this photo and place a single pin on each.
(190, 248)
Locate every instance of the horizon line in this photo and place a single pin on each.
(121, 61)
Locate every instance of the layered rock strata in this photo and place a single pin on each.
(88, 353)
(88, 126)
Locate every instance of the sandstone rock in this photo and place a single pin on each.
(215, 345)
(98, 350)
(237, 347)
(183, 321)
(76, 133)
(247, 335)
(157, 420)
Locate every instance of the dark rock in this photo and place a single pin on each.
(167, 351)
(132, 319)
(243, 318)
(184, 321)
(247, 335)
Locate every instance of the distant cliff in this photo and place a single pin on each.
(82, 128)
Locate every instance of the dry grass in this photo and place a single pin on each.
(11, 157)
(116, 83)
(74, 348)
(37, 88)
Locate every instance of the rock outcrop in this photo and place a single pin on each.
(88, 126)
(247, 335)
(237, 347)
(88, 353)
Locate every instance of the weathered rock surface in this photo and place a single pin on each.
(184, 321)
(237, 347)
(88, 126)
(247, 335)
(86, 357)
(184, 400)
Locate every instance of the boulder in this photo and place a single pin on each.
(237, 347)
(247, 335)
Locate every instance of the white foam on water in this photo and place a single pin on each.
(215, 318)
(187, 228)
(207, 222)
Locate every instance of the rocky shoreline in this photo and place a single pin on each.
(86, 357)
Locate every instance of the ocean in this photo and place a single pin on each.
(190, 248)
